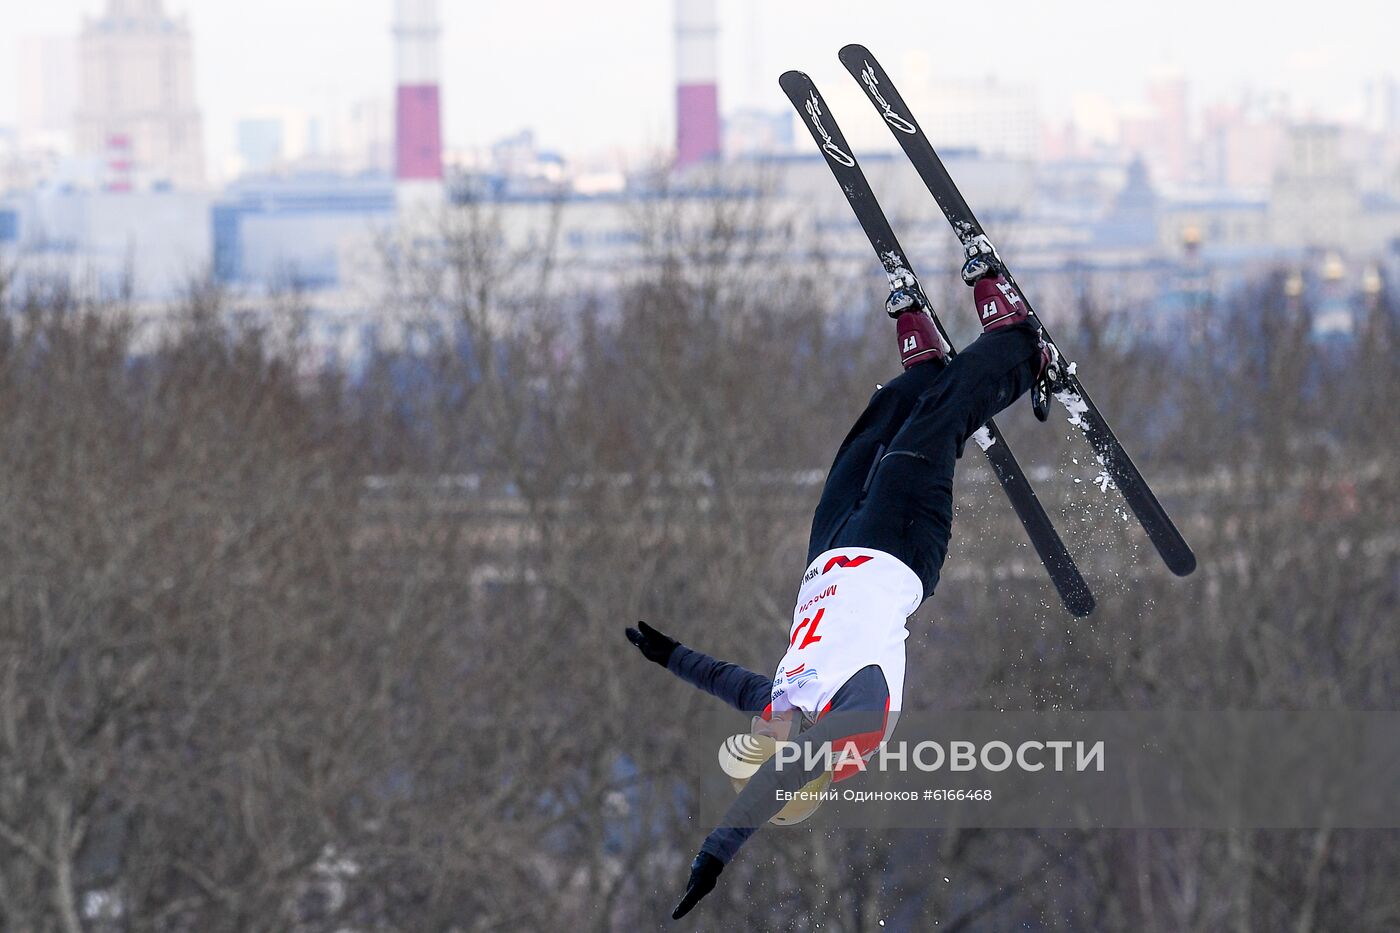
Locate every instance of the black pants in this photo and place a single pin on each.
(891, 486)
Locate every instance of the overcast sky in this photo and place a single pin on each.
(593, 74)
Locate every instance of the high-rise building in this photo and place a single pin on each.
(1241, 143)
(1161, 133)
(1314, 199)
(1382, 109)
(48, 88)
(366, 137)
(752, 132)
(137, 108)
(261, 144)
(1168, 99)
(983, 114)
(286, 139)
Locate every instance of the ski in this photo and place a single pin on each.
(1070, 584)
(1083, 413)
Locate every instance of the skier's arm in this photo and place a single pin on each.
(857, 714)
(742, 689)
(759, 800)
(755, 805)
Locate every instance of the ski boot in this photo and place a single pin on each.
(1000, 304)
(919, 339)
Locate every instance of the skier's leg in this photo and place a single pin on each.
(867, 441)
(908, 510)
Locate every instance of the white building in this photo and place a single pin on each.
(982, 113)
(48, 91)
(137, 109)
(1314, 200)
(149, 244)
(365, 138)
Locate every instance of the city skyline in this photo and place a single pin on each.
(619, 89)
(1169, 171)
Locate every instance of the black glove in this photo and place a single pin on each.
(656, 646)
(704, 871)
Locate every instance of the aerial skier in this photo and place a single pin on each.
(879, 537)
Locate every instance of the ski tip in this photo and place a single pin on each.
(1073, 588)
(1182, 564)
(795, 84)
(1080, 605)
(854, 50)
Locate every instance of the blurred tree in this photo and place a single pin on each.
(280, 652)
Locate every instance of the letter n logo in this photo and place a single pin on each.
(841, 560)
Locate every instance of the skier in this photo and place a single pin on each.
(879, 537)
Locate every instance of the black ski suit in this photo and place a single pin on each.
(889, 489)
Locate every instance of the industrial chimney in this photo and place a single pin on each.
(418, 114)
(697, 84)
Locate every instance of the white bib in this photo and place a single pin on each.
(851, 612)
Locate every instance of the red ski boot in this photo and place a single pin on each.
(999, 304)
(919, 339)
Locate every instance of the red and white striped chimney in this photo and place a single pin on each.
(697, 81)
(418, 105)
